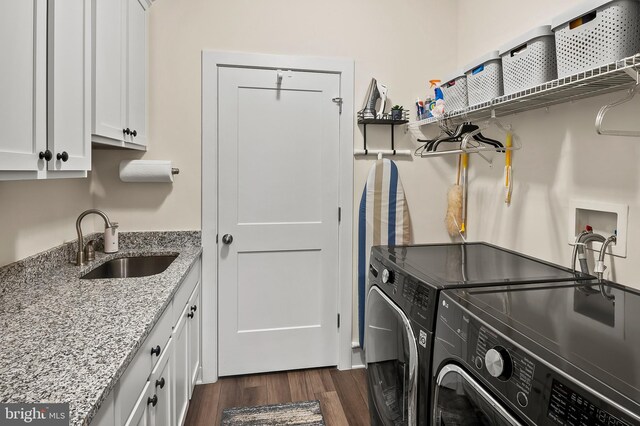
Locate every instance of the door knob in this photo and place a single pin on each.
(134, 133)
(126, 131)
(227, 238)
(63, 156)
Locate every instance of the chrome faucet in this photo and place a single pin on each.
(80, 256)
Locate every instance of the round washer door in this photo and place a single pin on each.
(392, 362)
(460, 400)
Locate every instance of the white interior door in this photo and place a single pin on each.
(278, 199)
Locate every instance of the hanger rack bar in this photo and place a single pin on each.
(393, 152)
(612, 77)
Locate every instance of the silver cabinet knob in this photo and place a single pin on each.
(227, 239)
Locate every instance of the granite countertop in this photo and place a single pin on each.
(64, 339)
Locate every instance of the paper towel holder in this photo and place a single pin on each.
(153, 171)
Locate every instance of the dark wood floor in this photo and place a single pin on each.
(342, 395)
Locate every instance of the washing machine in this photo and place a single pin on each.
(532, 355)
(401, 308)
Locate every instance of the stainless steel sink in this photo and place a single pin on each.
(131, 267)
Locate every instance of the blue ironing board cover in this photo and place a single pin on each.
(383, 220)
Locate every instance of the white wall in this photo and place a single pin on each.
(389, 41)
(38, 215)
(562, 157)
(392, 41)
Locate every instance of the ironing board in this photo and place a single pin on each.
(383, 220)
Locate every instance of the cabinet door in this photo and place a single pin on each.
(140, 415)
(109, 44)
(137, 73)
(69, 84)
(161, 382)
(106, 414)
(195, 326)
(22, 84)
(181, 368)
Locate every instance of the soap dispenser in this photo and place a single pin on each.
(111, 238)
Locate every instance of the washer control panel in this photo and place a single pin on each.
(568, 407)
(503, 362)
(415, 297)
(531, 387)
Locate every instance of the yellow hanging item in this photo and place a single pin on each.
(508, 171)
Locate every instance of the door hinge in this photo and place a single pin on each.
(338, 320)
(339, 102)
(216, 238)
(339, 214)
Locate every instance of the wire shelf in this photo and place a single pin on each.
(604, 79)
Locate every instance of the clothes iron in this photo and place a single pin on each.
(375, 92)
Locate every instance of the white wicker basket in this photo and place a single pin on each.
(454, 91)
(529, 60)
(484, 78)
(595, 33)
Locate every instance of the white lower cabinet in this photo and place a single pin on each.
(107, 415)
(156, 387)
(161, 384)
(195, 325)
(140, 414)
(181, 368)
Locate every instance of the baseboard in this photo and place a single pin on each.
(357, 358)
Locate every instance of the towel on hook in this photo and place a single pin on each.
(383, 220)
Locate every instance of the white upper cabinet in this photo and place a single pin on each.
(120, 73)
(23, 84)
(45, 89)
(109, 106)
(137, 73)
(69, 84)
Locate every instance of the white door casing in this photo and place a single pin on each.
(278, 198)
(213, 62)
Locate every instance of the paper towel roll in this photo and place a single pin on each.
(146, 171)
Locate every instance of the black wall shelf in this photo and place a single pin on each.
(380, 121)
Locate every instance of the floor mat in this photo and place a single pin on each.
(305, 413)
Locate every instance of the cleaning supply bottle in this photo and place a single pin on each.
(419, 109)
(436, 108)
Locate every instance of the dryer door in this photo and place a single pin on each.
(460, 400)
(392, 362)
